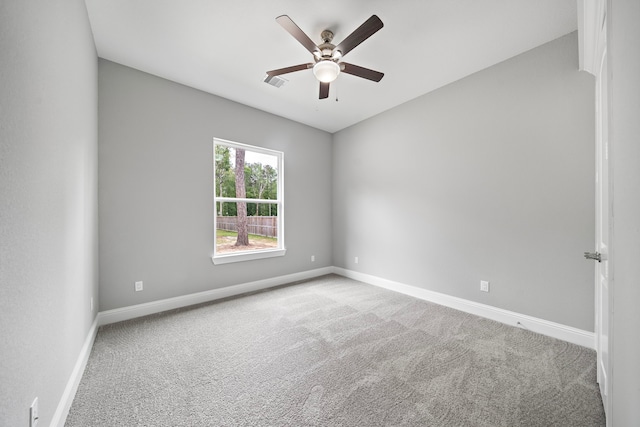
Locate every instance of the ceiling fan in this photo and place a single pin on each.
(327, 57)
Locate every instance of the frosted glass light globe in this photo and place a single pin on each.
(326, 70)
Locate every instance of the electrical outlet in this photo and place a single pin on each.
(484, 286)
(33, 413)
(313, 258)
(139, 286)
(355, 260)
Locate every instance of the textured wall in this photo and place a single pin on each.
(489, 178)
(48, 200)
(156, 190)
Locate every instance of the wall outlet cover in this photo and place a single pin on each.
(484, 286)
(139, 286)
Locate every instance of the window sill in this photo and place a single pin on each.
(247, 256)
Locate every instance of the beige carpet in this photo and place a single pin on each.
(332, 352)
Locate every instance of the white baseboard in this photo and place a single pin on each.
(544, 327)
(541, 326)
(139, 310)
(60, 416)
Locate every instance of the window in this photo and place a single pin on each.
(248, 202)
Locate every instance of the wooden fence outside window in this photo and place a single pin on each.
(259, 225)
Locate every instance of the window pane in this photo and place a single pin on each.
(251, 229)
(261, 230)
(259, 174)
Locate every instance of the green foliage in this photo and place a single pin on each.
(225, 185)
(261, 183)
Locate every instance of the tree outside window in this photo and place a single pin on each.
(248, 201)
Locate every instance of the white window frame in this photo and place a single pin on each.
(258, 253)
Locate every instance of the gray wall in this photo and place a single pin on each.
(156, 190)
(48, 200)
(624, 100)
(489, 178)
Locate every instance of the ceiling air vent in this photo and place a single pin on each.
(274, 80)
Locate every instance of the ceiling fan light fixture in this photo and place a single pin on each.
(326, 70)
(326, 63)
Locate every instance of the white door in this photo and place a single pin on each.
(602, 270)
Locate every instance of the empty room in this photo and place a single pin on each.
(417, 213)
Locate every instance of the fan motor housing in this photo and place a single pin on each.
(327, 36)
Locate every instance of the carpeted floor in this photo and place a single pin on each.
(332, 352)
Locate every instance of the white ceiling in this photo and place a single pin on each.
(225, 47)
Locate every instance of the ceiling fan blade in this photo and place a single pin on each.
(363, 32)
(324, 90)
(297, 33)
(289, 69)
(358, 71)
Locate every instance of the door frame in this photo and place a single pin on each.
(592, 36)
(603, 270)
